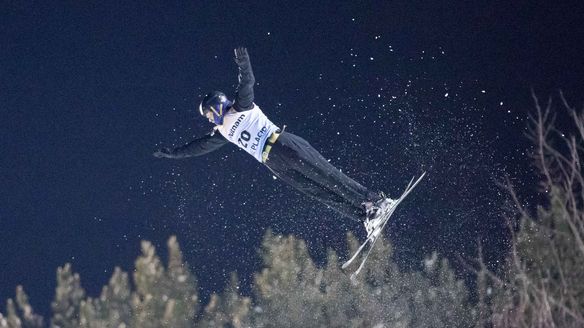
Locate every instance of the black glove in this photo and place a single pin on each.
(162, 152)
(241, 56)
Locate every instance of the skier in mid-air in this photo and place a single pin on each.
(288, 156)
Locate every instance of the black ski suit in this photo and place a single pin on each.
(293, 160)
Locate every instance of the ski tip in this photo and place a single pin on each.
(420, 177)
(345, 265)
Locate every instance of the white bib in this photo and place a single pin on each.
(248, 130)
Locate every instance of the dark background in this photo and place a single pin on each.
(386, 90)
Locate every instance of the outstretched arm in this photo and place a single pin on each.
(244, 92)
(197, 147)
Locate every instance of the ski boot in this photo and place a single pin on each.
(376, 213)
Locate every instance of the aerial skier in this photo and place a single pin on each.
(288, 156)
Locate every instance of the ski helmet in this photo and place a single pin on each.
(217, 103)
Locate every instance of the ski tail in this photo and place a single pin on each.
(346, 264)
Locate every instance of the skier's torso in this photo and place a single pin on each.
(248, 130)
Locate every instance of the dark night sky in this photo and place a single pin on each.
(88, 90)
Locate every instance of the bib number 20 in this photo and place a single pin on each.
(244, 137)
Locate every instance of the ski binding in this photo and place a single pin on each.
(375, 234)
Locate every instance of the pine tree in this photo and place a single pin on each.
(340, 297)
(386, 295)
(181, 290)
(445, 297)
(115, 300)
(292, 292)
(288, 290)
(12, 318)
(29, 318)
(112, 308)
(149, 302)
(163, 298)
(382, 289)
(68, 297)
(20, 314)
(231, 309)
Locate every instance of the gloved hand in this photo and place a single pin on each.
(162, 152)
(241, 56)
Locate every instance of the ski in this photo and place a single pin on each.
(372, 238)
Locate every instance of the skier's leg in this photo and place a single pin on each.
(296, 162)
(314, 190)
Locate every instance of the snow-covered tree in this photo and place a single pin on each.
(163, 298)
(292, 292)
(288, 289)
(230, 309)
(68, 297)
(112, 308)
